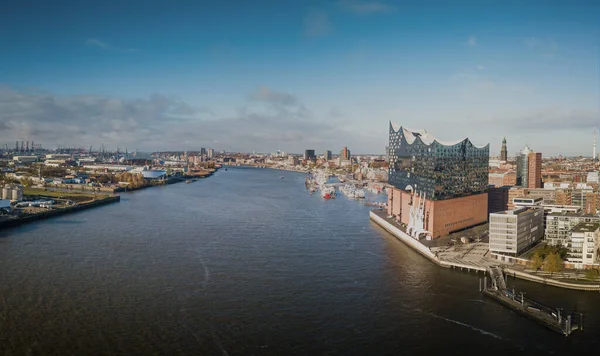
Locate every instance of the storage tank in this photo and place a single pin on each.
(6, 193)
(17, 194)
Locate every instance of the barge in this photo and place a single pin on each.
(551, 318)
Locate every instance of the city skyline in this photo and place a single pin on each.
(296, 76)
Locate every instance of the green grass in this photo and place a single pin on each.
(75, 196)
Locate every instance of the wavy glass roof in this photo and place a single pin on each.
(411, 135)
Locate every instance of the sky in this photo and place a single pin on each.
(295, 75)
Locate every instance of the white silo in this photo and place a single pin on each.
(17, 194)
(6, 193)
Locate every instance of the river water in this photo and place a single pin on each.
(246, 263)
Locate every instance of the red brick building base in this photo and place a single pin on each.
(442, 217)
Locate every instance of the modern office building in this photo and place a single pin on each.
(529, 168)
(328, 156)
(210, 153)
(438, 187)
(514, 231)
(583, 247)
(344, 156)
(503, 151)
(309, 155)
(202, 151)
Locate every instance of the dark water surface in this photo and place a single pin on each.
(245, 263)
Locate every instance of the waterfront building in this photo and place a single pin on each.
(503, 151)
(210, 153)
(309, 155)
(328, 156)
(583, 247)
(438, 187)
(559, 226)
(514, 231)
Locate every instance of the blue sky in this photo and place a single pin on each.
(267, 75)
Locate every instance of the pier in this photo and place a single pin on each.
(551, 318)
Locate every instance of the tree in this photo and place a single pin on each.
(553, 263)
(536, 261)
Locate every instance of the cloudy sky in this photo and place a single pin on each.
(267, 75)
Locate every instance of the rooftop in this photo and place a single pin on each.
(573, 214)
(425, 137)
(518, 211)
(586, 227)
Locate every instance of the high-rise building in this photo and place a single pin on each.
(203, 151)
(503, 151)
(529, 168)
(328, 156)
(438, 187)
(309, 155)
(535, 170)
(344, 155)
(210, 153)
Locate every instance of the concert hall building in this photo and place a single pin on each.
(438, 187)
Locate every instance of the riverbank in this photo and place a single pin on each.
(46, 214)
(468, 260)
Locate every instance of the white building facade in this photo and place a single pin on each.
(514, 231)
(583, 247)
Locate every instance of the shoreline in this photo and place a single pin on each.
(427, 253)
(57, 212)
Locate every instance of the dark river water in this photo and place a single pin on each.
(246, 263)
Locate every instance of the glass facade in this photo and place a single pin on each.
(441, 171)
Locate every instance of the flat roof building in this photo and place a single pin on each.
(514, 231)
(583, 247)
(559, 226)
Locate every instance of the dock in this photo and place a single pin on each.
(552, 318)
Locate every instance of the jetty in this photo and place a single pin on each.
(552, 318)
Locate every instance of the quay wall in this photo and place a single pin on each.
(425, 251)
(551, 282)
(57, 212)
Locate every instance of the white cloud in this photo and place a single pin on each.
(267, 119)
(317, 23)
(471, 41)
(365, 7)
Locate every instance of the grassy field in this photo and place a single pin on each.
(75, 196)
